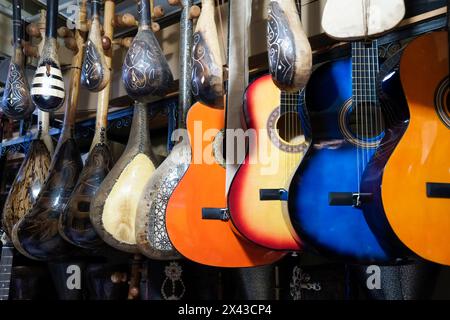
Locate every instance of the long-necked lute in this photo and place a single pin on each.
(16, 101)
(75, 223)
(145, 70)
(151, 233)
(95, 73)
(47, 90)
(260, 187)
(36, 234)
(33, 171)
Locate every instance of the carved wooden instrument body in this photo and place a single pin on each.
(75, 224)
(145, 71)
(207, 71)
(34, 169)
(151, 233)
(95, 72)
(36, 234)
(290, 55)
(357, 19)
(16, 101)
(415, 189)
(115, 204)
(257, 199)
(47, 91)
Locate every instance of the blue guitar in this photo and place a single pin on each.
(325, 196)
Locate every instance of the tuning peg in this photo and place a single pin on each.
(33, 30)
(64, 32)
(71, 44)
(125, 20)
(106, 43)
(29, 50)
(174, 2)
(158, 12)
(194, 12)
(155, 27)
(123, 42)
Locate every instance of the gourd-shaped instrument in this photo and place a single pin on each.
(47, 90)
(207, 72)
(95, 73)
(145, 71)
(36, 234)
(33, 171)
(75, 224)
(290, 56)
(16, 101)
(359, 19)
(151, 234)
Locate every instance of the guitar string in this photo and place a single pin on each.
(355, 103)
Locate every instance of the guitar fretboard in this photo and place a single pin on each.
(5, 270)
(364, 71)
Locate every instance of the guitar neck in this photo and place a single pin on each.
(6, 262)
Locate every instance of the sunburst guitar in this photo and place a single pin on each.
(416, 181)
(258, 193)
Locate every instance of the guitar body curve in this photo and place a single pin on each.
(210, 242)
(419, 218)
(266, 223)
(330, 166)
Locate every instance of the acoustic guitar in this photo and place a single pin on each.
(75, 223)
(259, 189)
(353, 19)
(197, 220)
(16, 101)
(95, 73)
(47, 91)
(33, 171)
(151, 233)
(36, 234)
(116, 203)
(415, 186)
(145, 71)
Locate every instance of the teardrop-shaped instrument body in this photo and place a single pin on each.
(114, 207)
(145, 71)
(207, 64)
(16, 101)
(47, 90)
(95, 73)
(27, 184)
(290, 55)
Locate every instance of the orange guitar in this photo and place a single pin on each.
(416, 181)
(200, 196)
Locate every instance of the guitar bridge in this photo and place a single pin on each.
(354, 199)
(216, 214)
(273, 195)
(438, 190)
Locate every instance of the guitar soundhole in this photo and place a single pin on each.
(289, 128)
(442, 103)
(362, 124)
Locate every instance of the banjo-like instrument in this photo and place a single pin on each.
(16, 101)
(151, 234)
(75, 224)
(145, 70)
(36, 234)
(47, 90)
(95, 73)
(115, 205)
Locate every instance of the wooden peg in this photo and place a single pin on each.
(174, 2)
(65, 32)
(158, 12)
(194, 12)
(124, 42)
(106, 43)
(155, 27)
(125, 20)
(33, 30)
(30, 50)
(71, 44)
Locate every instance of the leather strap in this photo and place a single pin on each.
(238, 52)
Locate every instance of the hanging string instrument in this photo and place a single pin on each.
(145, 70)
(75, 224)
(151, 233)
(260, 188)
(95, 73)
(47, 91)
(16, 101)
(114, 208)
(356, 19)
(36, 234)
(196, 215)
(32, 173)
